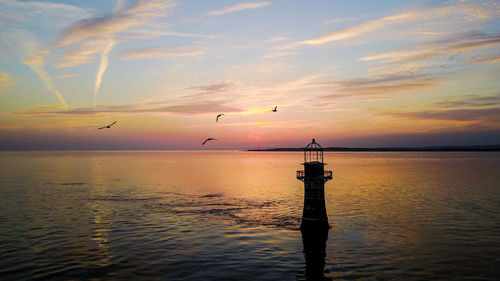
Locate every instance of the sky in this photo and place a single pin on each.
(348, 73)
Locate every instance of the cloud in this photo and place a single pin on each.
(160, 52)
(445, 48)
(172, 109)
(47, 81)
(93, 34)
(279, 54)
(444, 53)
(379, 85)
(32, 55)
(490, 59)
(218, 87)
(463, 13)
(488, 114)
(154, 33)
(43, 108)
(63, 76)
(469, 101)
(102, 68)
(12, 11)
(276, 39)
(40, 7)
(332, 21)
(105, 57)
(239, 7)
(108, 25)
(199, 107)
(84, 53)
(5, 81)
(104, 29)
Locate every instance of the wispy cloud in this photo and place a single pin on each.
(444, 52)
(47, 81)
(102, 68)
(488, 114)
(216, 89)
(92, 35)
(239, 7)
(279, 54)
(488, 59)
(35, 11)
(105, 28)
(5, 81)
(33, 56)
(63, 76)
(276, 39)
(463, 13)
(379, 85)
(199, 107)
(84, 53)
(43, 108)
(142, 13)
(154, 33)
(460, 43)
(469, 101)
(337, 20)
(105, 57)
(171, 109)
(160, 52)
(480, 110)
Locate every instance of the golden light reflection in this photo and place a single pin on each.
(101, 213)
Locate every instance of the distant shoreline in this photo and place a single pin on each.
(423, 148)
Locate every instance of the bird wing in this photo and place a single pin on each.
(205, 141)
(112, 124)
(276, 108)
(217, 120)
(102, 128)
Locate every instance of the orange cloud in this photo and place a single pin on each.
(5, 81)
(238, 7)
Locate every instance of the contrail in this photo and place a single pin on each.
(47, 81)
(102, 68)
(104, 57)
(26, 45)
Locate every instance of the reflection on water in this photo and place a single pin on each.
(236, 215)
(314, 243)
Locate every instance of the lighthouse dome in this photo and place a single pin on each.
(313, 152)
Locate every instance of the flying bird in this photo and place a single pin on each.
(275, 109)
(217, 120)
(107, 127)
(209, 139)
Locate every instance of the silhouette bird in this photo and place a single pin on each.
(275, 109)
(107, 127)
(209, 139)
(217, 120)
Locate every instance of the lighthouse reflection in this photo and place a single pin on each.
(314, 243)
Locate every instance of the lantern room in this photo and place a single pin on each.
(313, 152)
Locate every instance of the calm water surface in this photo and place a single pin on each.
(230, 215)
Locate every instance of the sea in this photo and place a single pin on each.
(235, 215)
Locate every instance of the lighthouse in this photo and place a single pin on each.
(314, 177)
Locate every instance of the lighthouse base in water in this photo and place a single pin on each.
(314, 177)
(314, 213)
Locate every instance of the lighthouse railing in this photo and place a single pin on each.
(327, 175)
(301, 175)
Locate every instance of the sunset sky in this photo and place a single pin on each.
(349, 73)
